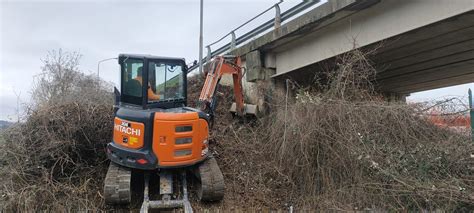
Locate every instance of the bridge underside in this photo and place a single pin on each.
(437, 55)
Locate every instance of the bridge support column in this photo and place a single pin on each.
(395, 97)
(258, 77)
(255, 67)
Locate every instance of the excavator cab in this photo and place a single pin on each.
(153, 82)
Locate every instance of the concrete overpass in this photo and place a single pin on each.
(427, 44)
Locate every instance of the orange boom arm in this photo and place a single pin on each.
(220, 66)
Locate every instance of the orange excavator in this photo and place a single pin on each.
(156, 133)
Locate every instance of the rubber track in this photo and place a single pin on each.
(212, 186)
(117, 185)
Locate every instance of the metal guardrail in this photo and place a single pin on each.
(275, 22)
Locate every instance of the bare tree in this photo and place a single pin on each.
(61, 81)
(59, 72)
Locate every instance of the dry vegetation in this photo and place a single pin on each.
(340, 146)
(55, 159)
(336, 145)
(346, 148)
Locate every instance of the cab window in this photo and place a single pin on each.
(132, 77)
(166, 80)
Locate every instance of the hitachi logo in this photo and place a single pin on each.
(127, 130)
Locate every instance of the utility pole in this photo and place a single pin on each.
(200, 37)
(17, 105)
(471, 112)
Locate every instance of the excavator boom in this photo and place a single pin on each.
(218, 67)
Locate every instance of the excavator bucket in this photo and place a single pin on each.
(249, 109)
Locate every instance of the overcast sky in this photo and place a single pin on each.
(103, 29)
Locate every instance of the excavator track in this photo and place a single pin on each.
(117, 188)
(212, 185)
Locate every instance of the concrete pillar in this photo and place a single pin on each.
(395, 97)
(256, 69)
(258, 87)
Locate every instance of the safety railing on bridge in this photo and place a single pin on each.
(274, 22)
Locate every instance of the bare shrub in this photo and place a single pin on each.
(55, 160)
(346, 148)
(372, 154)
(353, 78)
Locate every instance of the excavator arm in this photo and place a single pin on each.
(218, 67)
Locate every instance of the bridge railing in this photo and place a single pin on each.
(274, 22)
